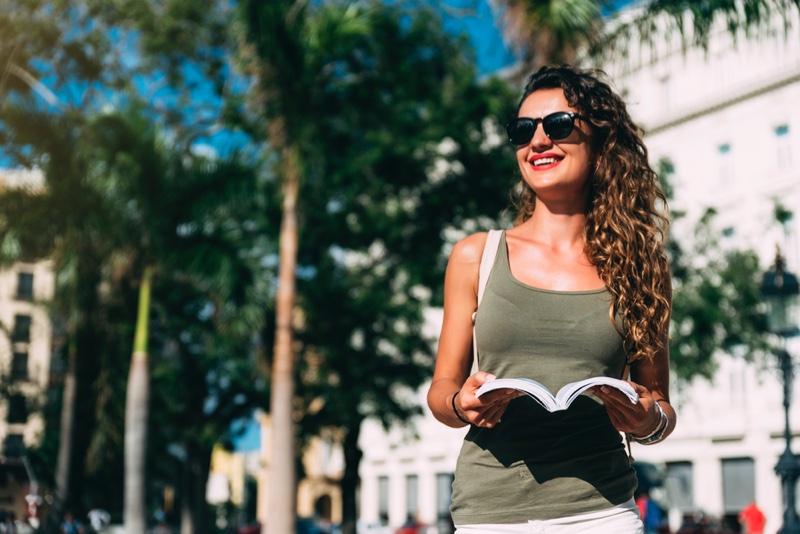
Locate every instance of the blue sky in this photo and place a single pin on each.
(477, 21)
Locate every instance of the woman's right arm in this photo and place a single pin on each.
(452, 388)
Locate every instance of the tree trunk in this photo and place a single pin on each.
(187, 519)
(136, 406)
(194, 508)
(350, 480)
(282, 495)
(67, 424)
(78, 397)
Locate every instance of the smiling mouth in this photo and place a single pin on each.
(544, 161)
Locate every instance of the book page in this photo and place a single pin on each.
(570, 392)
(534, 389)
(565, 396)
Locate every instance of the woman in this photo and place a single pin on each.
(580, 287)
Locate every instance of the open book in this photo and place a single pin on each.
(565, 395)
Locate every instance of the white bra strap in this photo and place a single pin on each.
(487, 261)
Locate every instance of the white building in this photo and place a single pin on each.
(25, 355)
(729, 121)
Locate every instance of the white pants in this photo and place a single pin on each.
(621, 519)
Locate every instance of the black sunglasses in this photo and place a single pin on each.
(556, 126)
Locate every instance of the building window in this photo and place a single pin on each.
(383, 500)
(725, 159)
(444, 493)
(22, 329)
(680, 488)
(738, 483)
(17, 409)
(19, 366)
(783, 143)
(14, 446)
(412, 496)
(24, 286)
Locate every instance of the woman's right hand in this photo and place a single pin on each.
(486, 410)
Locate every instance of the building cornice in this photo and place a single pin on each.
(707, 108)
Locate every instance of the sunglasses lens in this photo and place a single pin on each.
(558, 125)
(520, 131)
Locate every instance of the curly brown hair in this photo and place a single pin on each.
(627, 218)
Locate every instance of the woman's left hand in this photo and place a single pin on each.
(637, 419)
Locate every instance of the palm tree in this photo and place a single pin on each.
(136, 414)
(550, 31)
(555, 31)
(286, 49)
(163, 192)
(64, 220)
(85, 241)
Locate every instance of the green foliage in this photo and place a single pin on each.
(557, 31)
(118, 196)
(781, 213)
(554, 32)
(197, 221)
(751, 17)
(658, 25)
(398, 144)
(395, 151)
(716, 303)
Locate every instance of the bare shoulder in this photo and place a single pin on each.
(469, 249)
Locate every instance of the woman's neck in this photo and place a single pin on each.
(555, 230)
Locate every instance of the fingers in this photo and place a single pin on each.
(487, 410)
(624, 415)
(478, 379)
(500, 395)
(492, 415)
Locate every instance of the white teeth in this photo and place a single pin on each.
(544, 161)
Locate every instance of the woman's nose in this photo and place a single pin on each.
(540, 139)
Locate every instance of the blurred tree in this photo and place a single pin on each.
(551, 31)
(716, 302)
(397, 152)
(74, 56)
(291, 49)
(64, 220)
(136, 413)
(400, 149)
(139, 208)
(42, 126)
(185, 218)
(205, 381)
(557, 31)
(716, 305)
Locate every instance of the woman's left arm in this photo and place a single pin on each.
(650, 379)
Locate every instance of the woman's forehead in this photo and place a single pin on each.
(542, 102)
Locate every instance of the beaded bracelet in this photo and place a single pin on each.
(453, 402)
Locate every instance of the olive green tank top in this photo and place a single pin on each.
(535, 464)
